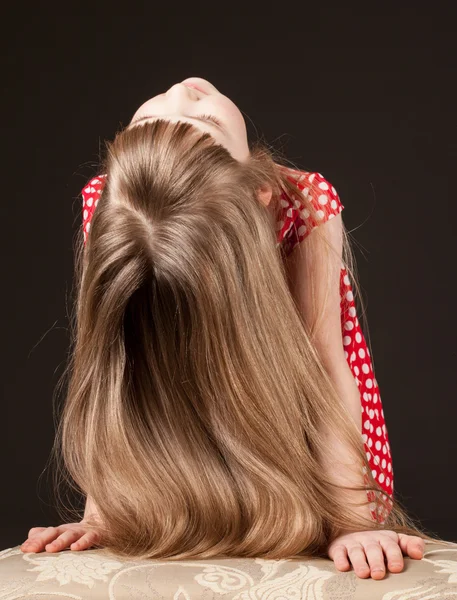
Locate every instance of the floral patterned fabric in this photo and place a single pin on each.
(98, 575)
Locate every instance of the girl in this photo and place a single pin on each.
(222, 399)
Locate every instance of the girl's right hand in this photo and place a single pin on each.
(55, 539)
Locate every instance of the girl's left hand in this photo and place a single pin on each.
(366, 551)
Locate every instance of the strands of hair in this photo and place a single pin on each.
(196, 398)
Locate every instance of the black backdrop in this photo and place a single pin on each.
(365, 99)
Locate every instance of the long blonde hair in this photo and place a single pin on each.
(196, 397)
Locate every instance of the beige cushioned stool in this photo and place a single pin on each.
(98, 575)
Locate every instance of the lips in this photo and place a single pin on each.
(199, 84)
(195, 87)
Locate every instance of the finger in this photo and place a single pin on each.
(357, 557)
(64, 540)
(394, 555)
(35, 530)
(375, 557)
(393, 535)
(339, 556)
(86, 541)
(412, 545)
(39, 540)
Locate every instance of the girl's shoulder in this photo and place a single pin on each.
(295, 219)
(90, 195)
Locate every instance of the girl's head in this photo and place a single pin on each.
(197, 101)
(196, 400)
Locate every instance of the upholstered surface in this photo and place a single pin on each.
(97, 574)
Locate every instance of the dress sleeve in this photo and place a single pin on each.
(91, 195)
(299, 221)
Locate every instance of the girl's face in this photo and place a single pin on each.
(197, 101)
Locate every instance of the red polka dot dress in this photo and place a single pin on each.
(295, 223)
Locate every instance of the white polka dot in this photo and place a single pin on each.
(389, 467)
(284, 203)
(304, 213)
(376, 460)
(302, 230)
(365, 368)
(351, 311)
(346, 280)
(85, 214)
(375, 398)
(305, 192)
(383, 463)
(356, 370)
(364, 437)
(323, 185)
(349, 296)
(370, 442)
(349, 325)
(365, 396)
(371, 413)
(334, 204)
(311, 177)
(87, 227)
(378, 445)
(384, 449)
(353, 357)
(358, 337)
(320, 214)
(322, 199)
(369, 383)
(334, 191)
(368, 455)
(378, 431)
(89, 201)
(381, 477)
(373, 472)
(367, 425)
(388, 480)
(377, 413)
(362, 353)
(330, 216)
(371, 427)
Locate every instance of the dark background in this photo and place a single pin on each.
(365, 99)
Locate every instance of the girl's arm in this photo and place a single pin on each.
(90, 508)
(308, 284)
